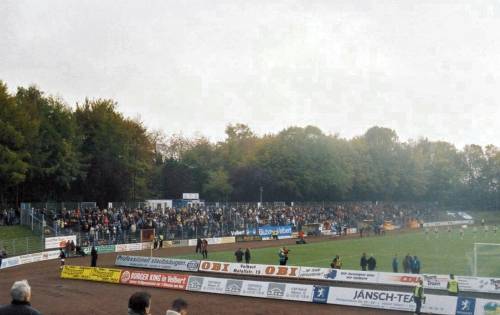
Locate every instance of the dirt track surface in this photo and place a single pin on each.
(52, 295)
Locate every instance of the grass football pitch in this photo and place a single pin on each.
(444, 253)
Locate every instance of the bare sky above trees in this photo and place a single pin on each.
(423, 68)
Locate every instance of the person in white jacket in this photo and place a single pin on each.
(179, 307)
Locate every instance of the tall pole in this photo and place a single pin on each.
(261, 190)
(475, 260)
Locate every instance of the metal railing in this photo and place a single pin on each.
(21, 246)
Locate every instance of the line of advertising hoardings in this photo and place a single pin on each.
(101, 249)
(447, 223)
(439, 282)
(54, 254)
(381, 299)
(157, 263)
(266, 231)
(29, 258)
(214, 240)
(60, 241)
(110, 275)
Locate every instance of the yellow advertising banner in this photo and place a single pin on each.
(92, 274)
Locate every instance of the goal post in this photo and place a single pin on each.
(489, 250)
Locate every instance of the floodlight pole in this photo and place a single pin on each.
(152, 244)
(474, 273)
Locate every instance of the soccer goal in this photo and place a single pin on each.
(485, 260)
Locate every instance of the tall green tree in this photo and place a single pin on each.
(119, 152)
(53, 140)
(13, 154)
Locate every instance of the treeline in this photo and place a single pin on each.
(49, 151)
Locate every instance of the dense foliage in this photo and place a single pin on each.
(49, 151)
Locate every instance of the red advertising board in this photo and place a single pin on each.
(154, 279)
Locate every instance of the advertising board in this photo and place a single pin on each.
(320, 294)
(128, 247)
(248, 238)
(154, 279)
(430, 281)
(299, 292)
(338, 275)
(9, 262)
(448, 223)
(157, 263)
(254, 288)
(249, 269)
(390, 300)
(92, 274)
(214, 285)
(58, 241)
(479, 284)
(485, 307)
(214, 240)
(191, 196)
(102, 249)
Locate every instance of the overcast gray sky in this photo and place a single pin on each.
(423, 68)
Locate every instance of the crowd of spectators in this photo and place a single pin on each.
(8, 217)
(117, 225)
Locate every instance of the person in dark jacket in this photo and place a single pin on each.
(247, 256)
(199, 242)
(407, 263)
(21, 296)
(372, 263)
(415, 265)
(363, 262)
(395, 263)
(93, 254)
(204, 248)
(239, 255)
(62, 257)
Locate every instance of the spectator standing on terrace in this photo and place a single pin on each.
(363, 262)
(139, 304)
(179, 307)
(395, 263)
(372, 263)
(21, 296)
(247, 256)
(204, 248)
(93, 254)
(239, 255)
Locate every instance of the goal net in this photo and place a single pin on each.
(486, 259)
